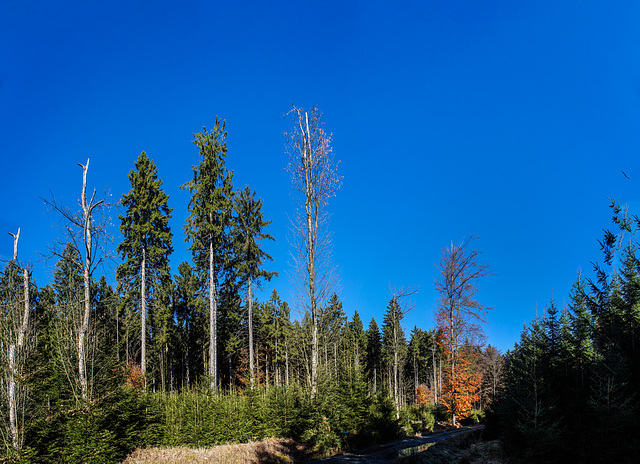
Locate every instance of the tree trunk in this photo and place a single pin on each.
(251, 353)
(87, 210)
(213, 339)
(286, 361)
(14, 352)
(395, 370)
(87, 291)
(375, 378)
(143, 315)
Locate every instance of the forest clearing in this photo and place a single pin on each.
(439, 261)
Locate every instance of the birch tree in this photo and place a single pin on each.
(314, 180)
(208, 223)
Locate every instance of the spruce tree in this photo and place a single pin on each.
(394, 346)
(209, 221)
(146, 245)
(374, 352)
(249, 225)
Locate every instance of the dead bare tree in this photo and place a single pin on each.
(17, 349)
(88, 239)
(314, 179)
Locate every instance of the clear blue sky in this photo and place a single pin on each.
(508, 120)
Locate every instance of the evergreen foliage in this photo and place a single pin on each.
(208, 224)
(145, 250)
(572, 381)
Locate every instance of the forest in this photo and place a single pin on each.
(92, 371)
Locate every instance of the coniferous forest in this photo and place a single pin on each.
(93, 369)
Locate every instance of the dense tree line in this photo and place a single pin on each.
(571, 382)
(194, 357)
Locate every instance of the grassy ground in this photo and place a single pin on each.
(271, 450)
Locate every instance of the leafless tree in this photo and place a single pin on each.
(89, 238)
(459, 314)
(314, 179)
(15, 327)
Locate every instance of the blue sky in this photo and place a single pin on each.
(508, 120)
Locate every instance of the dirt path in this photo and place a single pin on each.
(390, 452)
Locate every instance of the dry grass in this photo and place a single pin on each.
(271, 450)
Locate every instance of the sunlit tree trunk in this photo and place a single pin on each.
(213, 314)
(143, 313)
(15, 351)
(251, 352)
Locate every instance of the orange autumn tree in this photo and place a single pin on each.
(458, 317)
(463, 390)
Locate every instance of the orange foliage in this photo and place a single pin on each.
(423, 395)
(463, 390)
(133, 377)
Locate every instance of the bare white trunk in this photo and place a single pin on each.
(87, 210)
(14, 352)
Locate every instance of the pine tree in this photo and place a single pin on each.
(331, 320)
(208, 223)
(394, 346)
(249, 225)
(374, 353)
(581, 324)
(146, 245)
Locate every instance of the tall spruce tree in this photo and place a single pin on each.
(146, 245)
(209, 220)
(374, 351)
(249, 225)
(394, 346)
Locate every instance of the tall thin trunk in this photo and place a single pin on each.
(375, 378)
(335, 360)
(415, 377)
(277, 356)
(312, 228)
(213, 339)
(14, 352)
(251, 354)
(87, 288)
(395, 370)
(286, 361)
(143, 313)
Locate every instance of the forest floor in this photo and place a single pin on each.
(446, 445)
